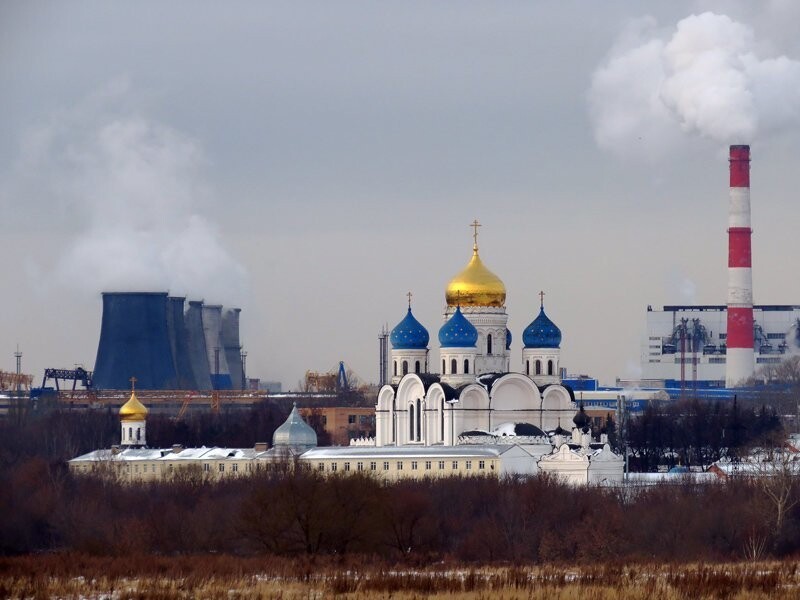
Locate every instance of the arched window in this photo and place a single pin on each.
(527, 367)
(453, 367)
(395, 368)
(441, 419)
(411, 422)
(138, 434)
(550, 367)
(444, 372)
(538, 367)
(419, 421)
(130, 433)
(489, 344)
(466, 366)
(405, 367)
(416, 367)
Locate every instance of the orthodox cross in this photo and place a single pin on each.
(475, 226)
(409, 294)
(133, 383)
(541, 299)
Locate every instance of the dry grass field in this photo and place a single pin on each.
(223, 577)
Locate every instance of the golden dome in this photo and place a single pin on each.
(133, 410)
(476, 285)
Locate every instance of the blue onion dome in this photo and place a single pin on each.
(508, 338)
(542, 333)
(458, 332)
(409, 334)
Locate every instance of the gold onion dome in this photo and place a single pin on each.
(133, 410)
(476, 285)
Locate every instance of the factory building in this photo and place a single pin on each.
(722, 346)
(688, 344)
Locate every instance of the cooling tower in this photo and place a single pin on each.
(179, 343)
(215, 349)
(740, 358)
(198, 356)
(135, 342)
(233, 349)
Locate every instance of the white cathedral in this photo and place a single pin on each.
(474, 391)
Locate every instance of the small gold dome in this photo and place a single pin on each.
(476, 285)
(133, 410)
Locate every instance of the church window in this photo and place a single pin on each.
(130, 433)
(405, 367)
(441, 465)
(411, 422)
(550, 367)
(443, 369)
(417, 367)
(441, 419)
(386, 465)
(138, 434)
(453, 367)
(419, 421)
(538, 367)
(481, 464)
(395, 368)
(373, 466)
(489, 344)
(427, 465)
(466, 366)
(527, 367)
(413, 465)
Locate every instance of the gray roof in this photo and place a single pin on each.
(295, 432)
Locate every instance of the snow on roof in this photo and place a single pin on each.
(434, 452)
(166, 454)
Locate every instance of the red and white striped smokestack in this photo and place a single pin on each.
(740, 363)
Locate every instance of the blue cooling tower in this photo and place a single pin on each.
(135, 342)
(198, 356)
(217, 361)
(179, 343)
(233, 349)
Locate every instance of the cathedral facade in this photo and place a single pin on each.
(470, 387)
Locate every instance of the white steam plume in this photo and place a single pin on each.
(134, 185)
(704, 77)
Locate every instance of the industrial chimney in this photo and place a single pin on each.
(135, 342)
(740, 361)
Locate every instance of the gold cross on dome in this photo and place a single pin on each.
(133, 383)
(475, 226)
(409, 294)
(541, 299)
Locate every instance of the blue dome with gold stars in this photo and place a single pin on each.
(409, 334)
(542, 333)
(458, 332)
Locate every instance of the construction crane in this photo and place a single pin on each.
(338, 379)
(74, 375)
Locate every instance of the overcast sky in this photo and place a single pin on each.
(314, 161)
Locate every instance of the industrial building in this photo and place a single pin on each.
(702, 347)
(687, 345)
(149, 335)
